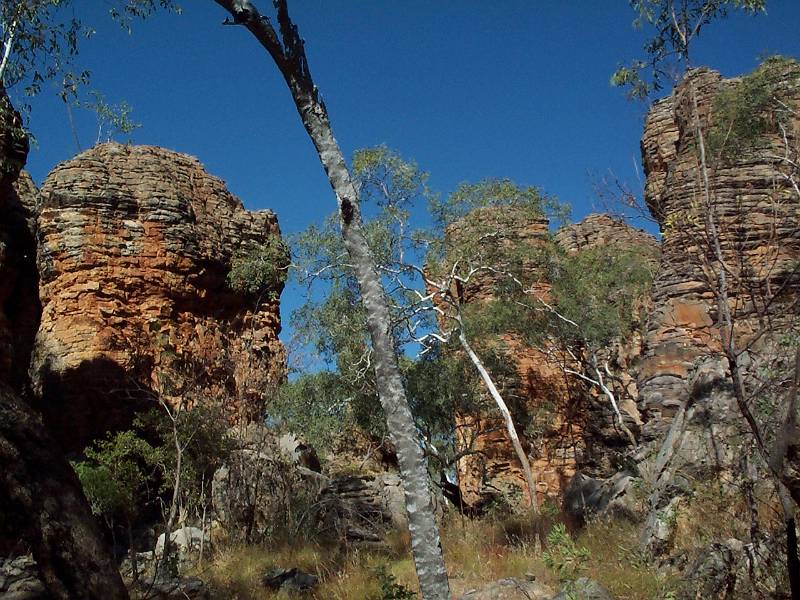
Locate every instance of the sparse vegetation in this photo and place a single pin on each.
(476, 551)
(260, 271)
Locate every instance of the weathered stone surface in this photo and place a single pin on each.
(19, 579)
(186, 540)
(600, 230)
(362, 509)
(41, 502)
(292, 580)
(135, 246)
(757, 213)
(730, 570)
(19, 298)
(686, 397)
(583, 588)
(179, 588)
(511, 588)
(586, 497)
(261, 481)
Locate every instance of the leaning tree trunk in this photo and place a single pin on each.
(509, 421)
(289, 56)
(41, 499)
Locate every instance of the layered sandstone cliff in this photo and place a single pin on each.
(755, 212)
(135, 244)
(744, 201)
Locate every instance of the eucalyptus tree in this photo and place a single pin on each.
(41, 41)
(676, 25)
(334, 325)
(286, 48)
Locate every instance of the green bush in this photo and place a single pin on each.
(260, 270)
(752, 107)
(113, 475)
(563, 555)
(390, 589)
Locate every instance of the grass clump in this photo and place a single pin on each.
(476, 552)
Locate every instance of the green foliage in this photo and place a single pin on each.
(676, 24)
(494, 227)
(389, 588)
(114, 119)
(493, 194)
(598, 289)
(752, 107)
(114, 475)
(332, 321)
(386, 178)
(316, 405)
(260, 270)
(442, 385)
(203, 436)
(125, 471)
(44, 36)
(563, 555)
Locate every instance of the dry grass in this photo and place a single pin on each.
(619, 565)
(476, 552)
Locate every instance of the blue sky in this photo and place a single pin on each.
(469, 89)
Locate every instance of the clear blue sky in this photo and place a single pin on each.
(469, 89)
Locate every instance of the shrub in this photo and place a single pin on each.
(260, 270)
(563, 555)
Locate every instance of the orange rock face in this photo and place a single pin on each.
(756, 212)
(135, 244)
(570, 428)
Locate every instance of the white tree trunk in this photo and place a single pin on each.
(510, 428)
(289, 56)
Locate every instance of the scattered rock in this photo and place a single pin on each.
(19, 579)
(586, 496)
(583, 589)
(186, 539)
(289, 579)
(179, 588)
(511, 588)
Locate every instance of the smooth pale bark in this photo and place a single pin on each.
(501, 405)
(289, 56)
(41, 499)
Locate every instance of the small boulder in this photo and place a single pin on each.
(583, 589)
(178, 588)
(187, 539)
(289, 579)
(586, 496)
(511, 588)
(19, 579)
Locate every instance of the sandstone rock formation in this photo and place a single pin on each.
(758, 222)
(135, 246)
(42, 507)
(600, 230)
(685, 393)
(572, 429)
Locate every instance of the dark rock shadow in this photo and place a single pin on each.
(84, 403)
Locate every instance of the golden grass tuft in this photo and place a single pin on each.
(476, 552)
